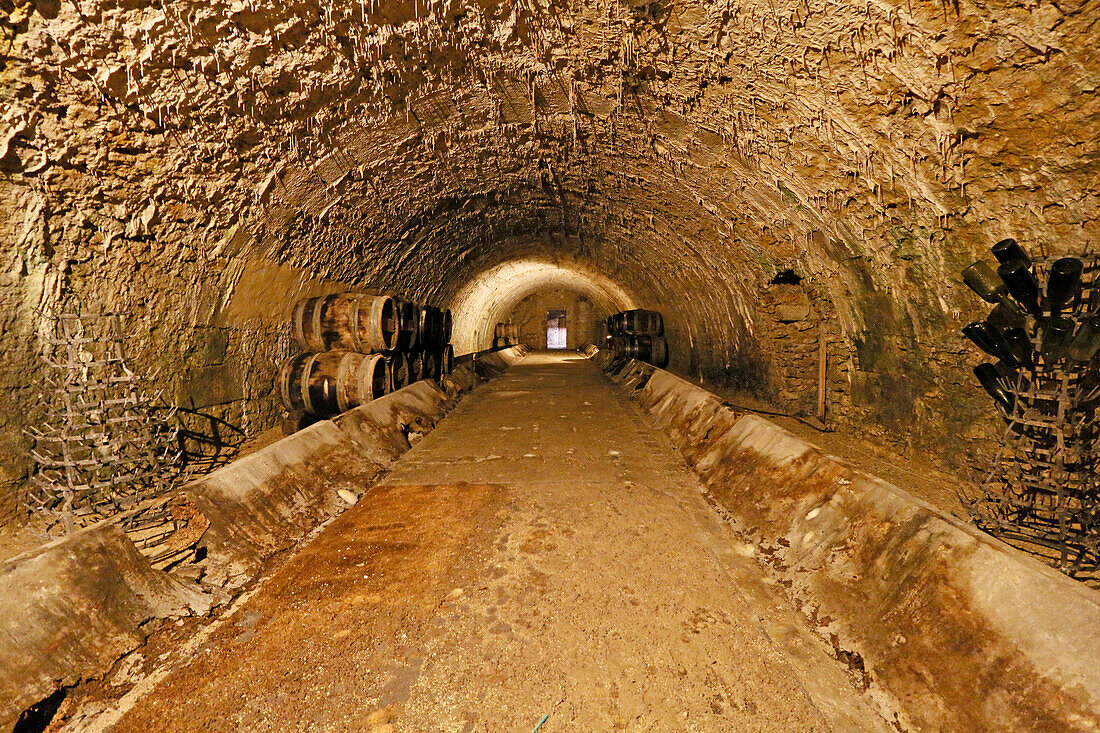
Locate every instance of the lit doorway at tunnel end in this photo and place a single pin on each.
(489, 297)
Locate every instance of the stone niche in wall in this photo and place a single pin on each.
(790, 335)
(584, 318)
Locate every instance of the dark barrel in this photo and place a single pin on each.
(638, 322)
(431, 327)
(448, 326)
(416, 365)
(345, 321)
(446, 363)
(330, 382)
(651, 349)
(431, 365)
(399, 371)
(408, 317)
(658, 351)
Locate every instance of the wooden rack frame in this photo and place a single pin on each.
(1042, 492)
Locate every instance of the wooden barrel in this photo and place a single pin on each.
(507, 334)
(657, 327)
(638, 322)
(416, 365)
(448, 325)
(620, 324)
(408, 317)
(425, 326)
(651, 349)
(658, 351)
(446, 362)
(431, 365)
(431, 319)
(630, 323)
(399, 371)
(345, 321)
(330, 382)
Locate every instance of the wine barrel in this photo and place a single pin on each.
(426, 339)
(345, 321)
(411, 377)
(446, 361)
(656, 325)
(431, 365)
(399, 371)
(416, 365)
(330, 382)
(658, 351)
(408, 317)
(641, 322)
(432, 320)
(631, 323)
(448, 325)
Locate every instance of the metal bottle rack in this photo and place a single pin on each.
(1042, 493)
(105, 446)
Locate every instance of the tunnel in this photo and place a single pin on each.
(788, 526)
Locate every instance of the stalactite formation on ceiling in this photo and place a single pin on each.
(686, 150)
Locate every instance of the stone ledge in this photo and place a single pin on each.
(73, 607)
(267, 501)
(70, 608)
(950, 628)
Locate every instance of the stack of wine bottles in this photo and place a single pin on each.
(357, 347)
(638, 334)
(1043, 492)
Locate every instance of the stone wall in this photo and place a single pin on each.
(585, 320)
(687, 150)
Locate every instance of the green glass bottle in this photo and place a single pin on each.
(981, 278)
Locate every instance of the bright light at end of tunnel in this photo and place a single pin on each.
(489, 297)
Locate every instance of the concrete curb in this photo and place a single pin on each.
(497, 362)
(72, 607)
(951, 629)
(381, 428)
(267, 501)
(75, 606)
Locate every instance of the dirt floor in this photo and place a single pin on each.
(543, 554)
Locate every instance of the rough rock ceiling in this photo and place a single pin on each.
(686, 150)
(680, 140)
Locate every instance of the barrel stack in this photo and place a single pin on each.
(356, 347)
(505, 334)
(638, 334)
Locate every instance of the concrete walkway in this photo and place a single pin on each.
(542, 552)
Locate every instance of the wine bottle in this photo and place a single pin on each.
(1022, 285)
(981, 278)
(989, 339)
(1019, 345)
(1057, 334)
(1004, 319)
(1086, 344)
(1007, 250)
(1064, 283)
(1008, 374)
(990, 379)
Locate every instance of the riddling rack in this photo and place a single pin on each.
(1043, 491)
(106, 445)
